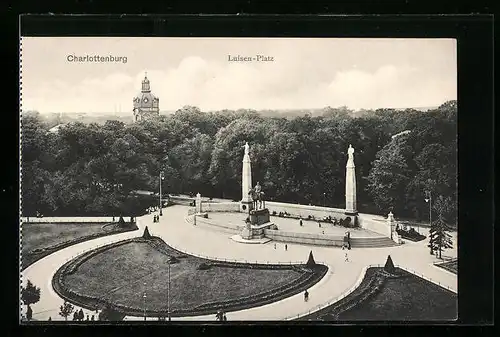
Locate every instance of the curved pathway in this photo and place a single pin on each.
(203, 242)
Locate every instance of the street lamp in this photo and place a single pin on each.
(324, 199)
(161, 179)
(168, 293)
(144, 297)
(429, 200)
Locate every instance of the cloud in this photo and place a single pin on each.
(213, 85)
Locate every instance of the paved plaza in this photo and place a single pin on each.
(293, 225)
(182, 235)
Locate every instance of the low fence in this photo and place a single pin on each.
(182, 200)
(315, 239)
(374, 223)
(304, 211)
(232, 228)
(97, 219)
(356, 285)
(220, 206)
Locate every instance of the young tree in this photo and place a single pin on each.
(65, 310)
(30, 295)
(439, 238)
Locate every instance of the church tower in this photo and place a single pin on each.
(146, 104)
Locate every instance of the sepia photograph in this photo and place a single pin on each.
(238, 179)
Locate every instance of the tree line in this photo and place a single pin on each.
(93, 169)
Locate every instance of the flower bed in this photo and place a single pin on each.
(410, 234)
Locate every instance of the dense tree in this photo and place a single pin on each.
(30, 295)
(439, 238)
(94, 169)
(65, 310)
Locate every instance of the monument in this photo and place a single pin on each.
(253, 203)
(246, 181)
(350, 184)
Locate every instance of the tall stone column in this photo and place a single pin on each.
(246, 181)
(350, 184)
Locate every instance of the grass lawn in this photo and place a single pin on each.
(407, 298)
(122, 274)
(41, 239)
(451, 266)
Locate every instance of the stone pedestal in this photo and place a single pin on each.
(391, 225)
(259, 216)
(198, 203)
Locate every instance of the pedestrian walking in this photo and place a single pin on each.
(286, 247)
(346, 258)
(274, 246)
(300, 222)
(319, 224)
(224, 318)
(323, 232)
(306, 296)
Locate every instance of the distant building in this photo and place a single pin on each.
(146, 104)
(401, 133)
(56, 128)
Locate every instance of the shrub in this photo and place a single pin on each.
(110, 314)
(146, 234)
(274, 212)
(389, 265)
(204, 266)
(174, 260)
(347, 222)
(310, 260)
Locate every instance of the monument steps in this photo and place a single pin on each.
(372, 242)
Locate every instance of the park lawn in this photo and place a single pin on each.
(41, 239)
(136, 267)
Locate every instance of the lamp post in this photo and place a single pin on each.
(168, 293)
(429, 200)
(144, 297)
(324, 199)
(161, 179)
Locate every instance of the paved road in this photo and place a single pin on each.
(204, 242)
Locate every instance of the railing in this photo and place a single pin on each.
(96, 219)
(442, 285)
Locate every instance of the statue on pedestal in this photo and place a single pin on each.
(257, 196)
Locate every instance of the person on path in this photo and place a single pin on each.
(306, 296)
(224, 318)
(346, 258)
(87, 317)
(275, 246)
(92, 318)
(319, 224)
(300, 222)
(286, 247)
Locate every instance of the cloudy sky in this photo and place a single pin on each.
(304, 73)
